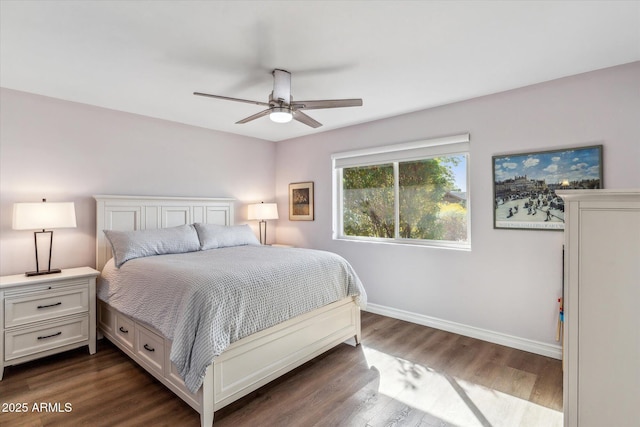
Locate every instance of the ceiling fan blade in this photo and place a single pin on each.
(255, 116)
(303, 118)
(226, 98)
(327, 103)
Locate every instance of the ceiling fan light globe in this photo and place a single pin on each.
(281, 115)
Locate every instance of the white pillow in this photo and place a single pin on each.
(221, 236)
(128, 245)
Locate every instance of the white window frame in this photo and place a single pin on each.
(394, 154)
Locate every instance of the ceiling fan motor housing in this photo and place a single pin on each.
(281, 86)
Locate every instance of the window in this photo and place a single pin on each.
(413, 193)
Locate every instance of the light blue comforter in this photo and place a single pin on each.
(203, 301)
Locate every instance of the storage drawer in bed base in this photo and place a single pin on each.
(249, 363)
(132, 339)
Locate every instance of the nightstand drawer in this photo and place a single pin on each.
(42, 305)
(27, 341)
(150, 348)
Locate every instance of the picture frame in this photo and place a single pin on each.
(524, 185)
(301, 201)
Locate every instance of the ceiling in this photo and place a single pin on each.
(148, 57)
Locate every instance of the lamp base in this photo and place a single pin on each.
(42, 272)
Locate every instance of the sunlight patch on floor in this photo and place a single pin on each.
(453, 400)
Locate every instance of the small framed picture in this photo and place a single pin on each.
(301, 201)
(524, 185)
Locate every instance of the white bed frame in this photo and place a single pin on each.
(247, 364)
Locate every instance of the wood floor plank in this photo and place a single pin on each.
(355, 410)
(402, 375)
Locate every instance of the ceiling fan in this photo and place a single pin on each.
(282, 107)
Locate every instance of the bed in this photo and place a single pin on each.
(255, 355)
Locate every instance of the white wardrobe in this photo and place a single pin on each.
(602, 308)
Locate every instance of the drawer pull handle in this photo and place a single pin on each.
(146, 347)
(50, 336)
(50, 305)
(123, 330)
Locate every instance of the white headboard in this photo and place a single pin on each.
(126, 213)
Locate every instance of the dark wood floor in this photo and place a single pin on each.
(403, 375)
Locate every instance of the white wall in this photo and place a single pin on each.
(510, 281)
(507, 284)
(66, 151)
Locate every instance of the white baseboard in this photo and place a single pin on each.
(549, 350)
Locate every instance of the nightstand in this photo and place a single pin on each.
(44, 315)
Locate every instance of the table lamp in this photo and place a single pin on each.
(43, 216)
(262, 212)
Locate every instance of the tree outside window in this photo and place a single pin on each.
(423, 199)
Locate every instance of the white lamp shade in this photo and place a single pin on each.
(262, 211)
(44, 215)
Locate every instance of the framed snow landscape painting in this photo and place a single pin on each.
(524, 185)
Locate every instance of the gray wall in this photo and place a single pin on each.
(67, 151)
(506, 285)
(509, 282)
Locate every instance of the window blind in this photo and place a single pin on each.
(403, 152)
